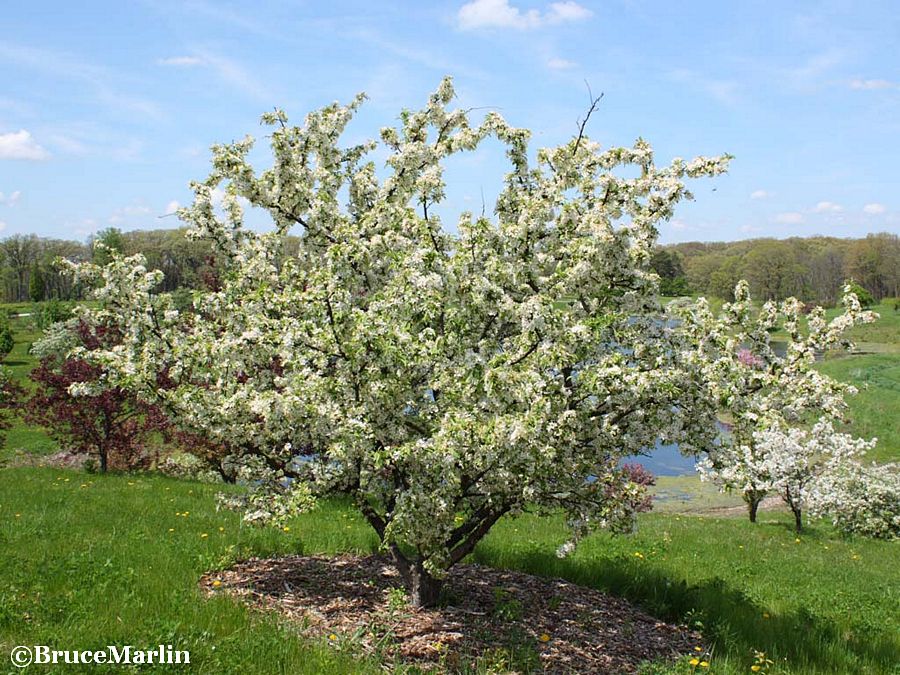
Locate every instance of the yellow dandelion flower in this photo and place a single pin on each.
(765, 615)
(704, 664)
(756, 669)
(694, 661)
(698, 649)
(18, 515)
(543, 637)
(332, 637)
(171, 529)
(204, 535)
(286, 528)
(221, 529)
(216, 583)
(797, 540)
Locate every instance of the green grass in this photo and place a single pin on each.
(21, 436)
(85, 567)
(89, 566)
(875, 410)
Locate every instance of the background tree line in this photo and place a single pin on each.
(813, 269)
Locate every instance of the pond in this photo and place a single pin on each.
(664, 460)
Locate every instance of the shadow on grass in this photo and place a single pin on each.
(728, 618)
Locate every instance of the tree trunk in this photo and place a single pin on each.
(103, 459)
(753, 500)
(424, 589)
(795, 509)
(798, 519)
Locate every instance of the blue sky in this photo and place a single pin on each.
(107, 109)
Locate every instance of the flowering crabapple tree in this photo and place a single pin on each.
(796, 460)
(761, 390)
(439, 380)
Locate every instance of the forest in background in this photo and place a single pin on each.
(813, 269)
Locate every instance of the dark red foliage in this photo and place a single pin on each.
(112, 426)
(636, 473)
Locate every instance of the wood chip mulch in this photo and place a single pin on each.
(523, 622)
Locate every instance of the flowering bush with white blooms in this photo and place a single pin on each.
(859, 498)
(761, 390)
(440, 380)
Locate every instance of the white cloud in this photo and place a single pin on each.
(2, 226)
(678, 224)
(11, 200)
(560, 64)
(874, 209)
(20, 145)
(227, 70)
(100, 82)
(119, 216)
(760, 194)
(869, 85)
(828, 207)
(500, 14)
(789, 218)
(172, 207)
(181, 61)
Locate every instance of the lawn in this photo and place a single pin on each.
(96, 560)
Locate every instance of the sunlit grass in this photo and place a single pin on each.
(97, 560)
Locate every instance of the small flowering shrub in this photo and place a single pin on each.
(439, 380)
(860, 499)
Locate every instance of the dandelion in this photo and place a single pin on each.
(543, 637)
(694, 661)
(765, 615)
(332, 637)
(286, 528)
(755, 668)
(216, 583)
(171, 529)
(204, 535)
(704, 664)
(698, 649)
(638, 554)
(797, 540)
(221, 529)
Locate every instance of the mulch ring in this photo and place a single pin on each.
(514, 621)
